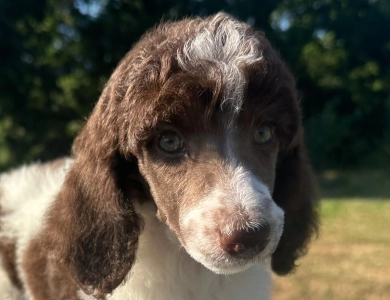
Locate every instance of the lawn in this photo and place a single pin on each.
(351, 258)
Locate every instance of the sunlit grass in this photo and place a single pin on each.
(351, 258)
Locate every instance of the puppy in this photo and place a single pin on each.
(190, 179)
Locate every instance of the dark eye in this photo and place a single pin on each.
(170, 142)
(263, 134)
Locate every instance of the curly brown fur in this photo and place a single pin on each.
(216, 95)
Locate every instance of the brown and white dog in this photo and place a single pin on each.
(190, 179)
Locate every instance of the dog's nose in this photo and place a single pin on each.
(246, 243)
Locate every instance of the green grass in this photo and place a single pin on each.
(351, 258)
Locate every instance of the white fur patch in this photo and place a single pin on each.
(164, 271)
(27, 193)
(225, 44)
(246, 203)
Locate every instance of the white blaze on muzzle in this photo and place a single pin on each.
(225, 231)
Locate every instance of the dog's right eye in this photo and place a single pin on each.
(170, 142)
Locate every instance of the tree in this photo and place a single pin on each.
(341, 50)
(57, 54)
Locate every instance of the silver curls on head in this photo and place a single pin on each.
(229, 45)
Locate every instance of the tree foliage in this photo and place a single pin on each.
(56, 56)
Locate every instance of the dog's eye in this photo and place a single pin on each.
(263, 134)
(170, 142)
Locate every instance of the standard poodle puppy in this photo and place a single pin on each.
(190, 179)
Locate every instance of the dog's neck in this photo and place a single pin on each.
(163, 270)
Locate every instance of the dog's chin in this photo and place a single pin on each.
(226, 266)
(229, 270)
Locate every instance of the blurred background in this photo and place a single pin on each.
(56, 55)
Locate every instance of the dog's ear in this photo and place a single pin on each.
(92, 228)
(296, 193)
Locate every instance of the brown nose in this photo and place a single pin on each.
(245, 243)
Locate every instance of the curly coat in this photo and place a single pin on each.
(211, 83)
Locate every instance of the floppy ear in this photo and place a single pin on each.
(92, 228)
(296, 193)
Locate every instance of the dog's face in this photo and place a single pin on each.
(212, 178)
(209, 157)
(202, 118)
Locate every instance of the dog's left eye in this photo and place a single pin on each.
(170, 142)
(263, 134)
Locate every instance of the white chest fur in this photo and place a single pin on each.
(164, 271)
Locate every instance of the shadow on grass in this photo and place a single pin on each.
(370, 184)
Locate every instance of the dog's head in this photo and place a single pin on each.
(202, 118)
